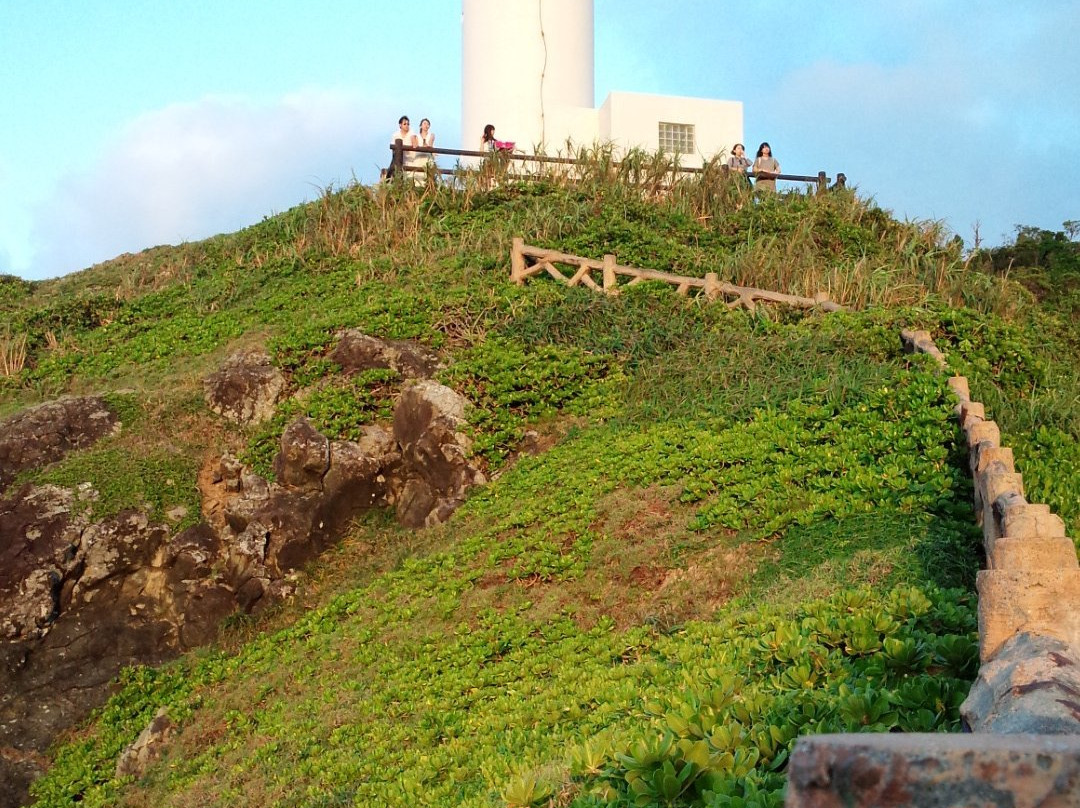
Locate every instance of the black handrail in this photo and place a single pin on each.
(399, 149)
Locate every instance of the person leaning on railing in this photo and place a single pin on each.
(738, 162)
(765, 168)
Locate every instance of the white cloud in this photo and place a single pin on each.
(193, 170)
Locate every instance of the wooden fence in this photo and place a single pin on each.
(399, 150)
(526, 261)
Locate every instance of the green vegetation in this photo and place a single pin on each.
(748, 526)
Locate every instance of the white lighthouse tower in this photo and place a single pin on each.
(528, 69)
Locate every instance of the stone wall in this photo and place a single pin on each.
(1027, 694)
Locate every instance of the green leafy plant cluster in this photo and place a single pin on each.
(853, 663)
(635, 616)
(511, 385)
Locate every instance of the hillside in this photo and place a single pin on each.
(705, 532)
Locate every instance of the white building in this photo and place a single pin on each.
(527, 68)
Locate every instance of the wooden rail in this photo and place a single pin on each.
(526, 261)
(398, 151)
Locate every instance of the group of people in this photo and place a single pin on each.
(426, 138)
(764, 168)
(412, 140)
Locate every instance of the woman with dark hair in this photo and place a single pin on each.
(487, 140)
(738, 162)
(765, 168)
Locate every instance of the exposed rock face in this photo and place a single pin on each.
(428, 426)
(273, 528)
(357, 351)
(245, 388)
(45, 433)
(80, 600)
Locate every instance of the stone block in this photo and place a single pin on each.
(1045, 602)
(1029, 519)
(1032, 685)
(983, 431)
(1032, 553)
(997, 456)
(971, 412)
(959, 386)
(989, 486)
(919, 770)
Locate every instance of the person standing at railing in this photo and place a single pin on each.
(426, 138)
(407, 138)
(738, 162)
(765, 168)
(487, 140)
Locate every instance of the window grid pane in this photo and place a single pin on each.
(677, 138)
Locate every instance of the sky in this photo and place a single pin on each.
(125, 124)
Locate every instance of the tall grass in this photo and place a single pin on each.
(12, 354)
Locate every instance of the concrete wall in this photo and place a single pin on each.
(632, 120)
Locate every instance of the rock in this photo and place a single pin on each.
(429, 422)
(39, 542)
(245, 388)
(1032, 685)
(136, 759)
(304, 457)
(44, 434)
(356, 352)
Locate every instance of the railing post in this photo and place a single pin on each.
(517, 261)
(609, 273)
(712, 284)
(822, 182)
(841, 180)
(397, 159)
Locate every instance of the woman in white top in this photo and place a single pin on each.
(426, 137)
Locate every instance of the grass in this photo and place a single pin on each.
(770, 505)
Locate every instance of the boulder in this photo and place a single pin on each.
(356, 352)
(304, 457)
(429, 424)
(245, 388)
(44, 434)
(136, 759)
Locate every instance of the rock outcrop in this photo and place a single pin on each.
(82, 599)
(245, 388)
(43, 434)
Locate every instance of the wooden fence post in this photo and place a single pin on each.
(609, 274)
(712, 286)
(822, 182)
(517, 261)
(397, 159)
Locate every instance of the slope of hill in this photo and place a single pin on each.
(747, 526)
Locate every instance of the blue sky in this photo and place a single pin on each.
(128, 124)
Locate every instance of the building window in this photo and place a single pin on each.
(677, 138)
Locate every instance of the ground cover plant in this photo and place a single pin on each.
(745, 526)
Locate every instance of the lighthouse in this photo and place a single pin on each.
(528, 69)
